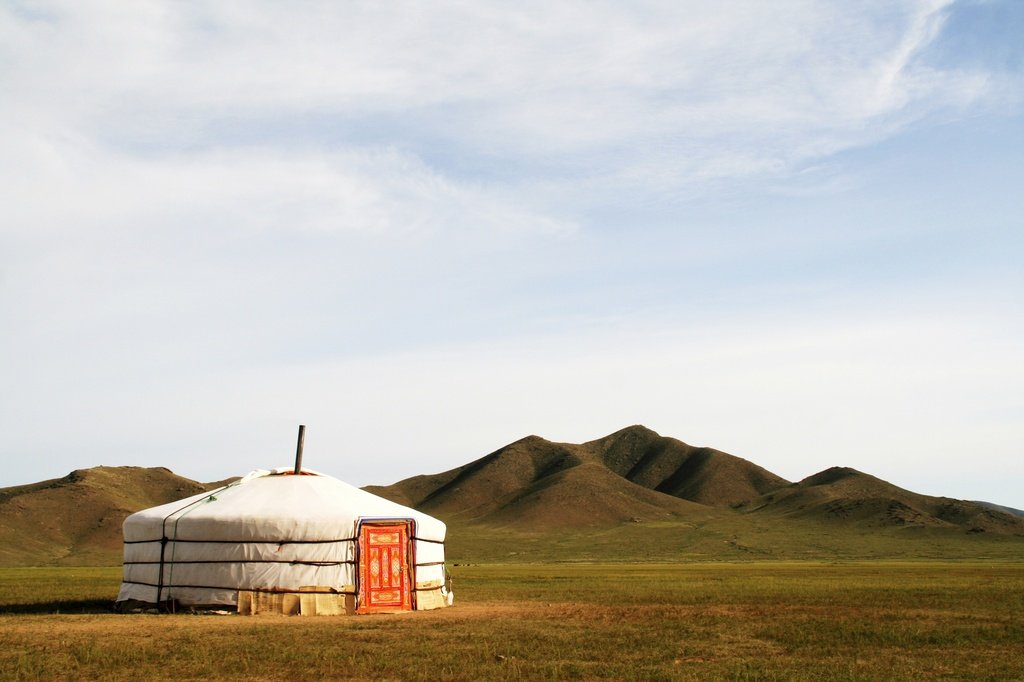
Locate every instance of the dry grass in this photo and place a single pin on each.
(764, 621)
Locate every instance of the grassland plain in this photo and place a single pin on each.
(725, 537)
(774, 620)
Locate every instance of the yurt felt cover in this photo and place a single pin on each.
(270, 530)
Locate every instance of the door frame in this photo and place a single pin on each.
(410, 561)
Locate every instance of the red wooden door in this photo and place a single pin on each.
(384, 583)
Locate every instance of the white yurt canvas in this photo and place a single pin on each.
(276, 534)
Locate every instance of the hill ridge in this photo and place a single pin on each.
(846, 495)
(76, 519)
(682, 495)
(637, 458)
(669, 471)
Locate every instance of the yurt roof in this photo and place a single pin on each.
(274, 505)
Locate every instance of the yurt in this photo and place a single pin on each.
(286, 542)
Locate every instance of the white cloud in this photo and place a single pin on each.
(71, 185)
(678, 92)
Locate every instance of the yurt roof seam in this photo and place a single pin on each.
(194, 505)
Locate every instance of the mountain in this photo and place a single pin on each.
(672, 467)
(631, 495)
(77, 519)
(848, 496)
(636, 474)
(632, 474)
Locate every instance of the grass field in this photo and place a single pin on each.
(726, 536)
(866, 620)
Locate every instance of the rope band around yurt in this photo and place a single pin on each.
(164, 539)
(235, 588)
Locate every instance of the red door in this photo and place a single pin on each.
(384, 583)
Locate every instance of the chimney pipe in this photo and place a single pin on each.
(298, 449)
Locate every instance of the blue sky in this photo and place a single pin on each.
(791, 231)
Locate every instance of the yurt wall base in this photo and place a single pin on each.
(430, 599)
(311, 601)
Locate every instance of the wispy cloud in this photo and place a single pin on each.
(376, 190)
(613, 96)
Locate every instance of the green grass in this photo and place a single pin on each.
(728, 537)
(88, 589)
(779, 620)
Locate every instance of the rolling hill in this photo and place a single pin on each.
(76, 520)
(845, 495)
(672, 467)
(632, 494)
(534, 481)
(636, 474)
(631, 474)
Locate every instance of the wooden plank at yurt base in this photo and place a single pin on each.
(306, 601)
(429, 596)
